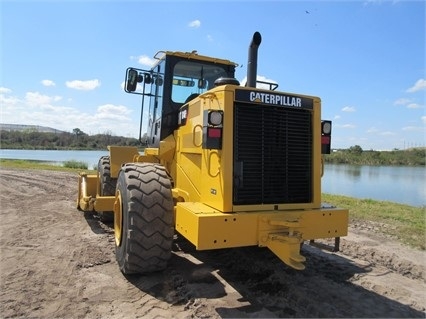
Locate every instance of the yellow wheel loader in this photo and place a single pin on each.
(225, 166)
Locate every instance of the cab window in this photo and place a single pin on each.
(191, 77)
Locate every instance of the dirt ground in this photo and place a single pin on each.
(57, 262)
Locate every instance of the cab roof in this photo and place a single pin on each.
(161, 55)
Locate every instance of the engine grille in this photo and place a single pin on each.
(272, 155)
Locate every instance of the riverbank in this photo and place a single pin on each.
(403, 222)
(355, 155)
(32, 139)
(39, 165)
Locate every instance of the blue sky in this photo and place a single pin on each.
(63, 62)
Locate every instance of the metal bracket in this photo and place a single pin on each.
(287, 248)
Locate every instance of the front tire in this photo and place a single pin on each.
(108, 185)
(143, 224)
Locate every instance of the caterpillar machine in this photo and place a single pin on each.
(224, 165)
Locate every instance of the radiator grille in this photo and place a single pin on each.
(272, 155)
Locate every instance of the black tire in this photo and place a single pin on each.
(108, 185)
(146, 234)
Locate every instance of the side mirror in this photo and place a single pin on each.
(132, 80)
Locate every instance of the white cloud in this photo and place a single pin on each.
(418, 86)
(387, 133)
(194, 24)
(5, 90)
(423, 118)
(376, 131)
(368, 2)
(414, 106)
(402, 101)
(48, 83)
(8, 102)
(83, 85)
(209, 38)
(336, 117)
(115, 109)
(260, 85)
(408, 103)
(113, 112)
(414, 128)
(348, 109)
(372, 130)
(379, 2)
(144, 60)
(346, 126)
(5, 100)
(37, 99)
(38, 109)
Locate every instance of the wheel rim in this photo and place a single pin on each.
(118, 218)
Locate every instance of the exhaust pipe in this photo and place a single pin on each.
(252, 60)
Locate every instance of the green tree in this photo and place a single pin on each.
(77, 132)
(356, 149)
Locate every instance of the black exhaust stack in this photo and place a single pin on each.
(252, 60)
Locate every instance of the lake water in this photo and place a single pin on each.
(401, 184)
(91, 158)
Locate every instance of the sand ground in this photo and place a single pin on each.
(57, 262)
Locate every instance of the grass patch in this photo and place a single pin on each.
(40, 165)
(407, 223)
(75, 164)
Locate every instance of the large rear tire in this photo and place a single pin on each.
(108, 185)
(143, 223)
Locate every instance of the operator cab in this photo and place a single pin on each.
(174, 80)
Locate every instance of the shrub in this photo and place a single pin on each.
(75, 164)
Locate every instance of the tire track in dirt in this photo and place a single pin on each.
(324, 289)
(37, 253)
